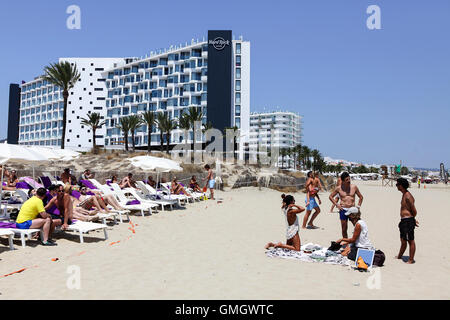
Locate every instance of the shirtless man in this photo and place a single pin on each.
(408, 221)
(347, 192)
(210, 181)
(338, 184)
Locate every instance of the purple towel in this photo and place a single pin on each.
(7, 225)
(46, 182)
(76, 194)
(88, 184)
(89, 193)
(108, 182)
(23, 185)
(133, 202)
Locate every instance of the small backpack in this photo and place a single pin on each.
(378, 259)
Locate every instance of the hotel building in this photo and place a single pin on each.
(278, 129)
(212, 74)
(41, 107)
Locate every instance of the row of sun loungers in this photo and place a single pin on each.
(143, 200)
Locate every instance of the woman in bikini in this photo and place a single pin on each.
(290, 210)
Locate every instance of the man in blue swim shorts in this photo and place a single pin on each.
(210, 181)
(347, 192)
(32, 215)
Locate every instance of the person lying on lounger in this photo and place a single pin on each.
(103, 200)
(177, 188)
(12, 179)
(151, 182)
(128, 182)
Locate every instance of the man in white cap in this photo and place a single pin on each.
(360, 238)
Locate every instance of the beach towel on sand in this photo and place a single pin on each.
(308, 257)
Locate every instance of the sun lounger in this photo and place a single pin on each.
(142, 199)
(123, 201)
(83, 228)
(32, 183)
(121, 194)
(10, 235)
(166, 187)
(160, 199)
(26, 234)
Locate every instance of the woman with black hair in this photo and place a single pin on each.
(290, 210)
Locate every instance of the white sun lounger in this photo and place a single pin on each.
(166, 187)
(10, 235)
(122, 199)
(26, 234)
(82, 228)
(121, 194)
(152, 197)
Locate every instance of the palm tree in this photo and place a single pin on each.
(283, 153)
(160, 117)
(185, 124)
(316, 157)
(135, 122)
(65, 76)
(124, 126)
(166, 125)
(94, 122)
(288, 154)
(195, 115)
(297, 151)
(306, 155)
(148, 118)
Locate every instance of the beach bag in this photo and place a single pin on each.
(361, 264)
(378, 259)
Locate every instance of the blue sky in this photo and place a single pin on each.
(375, 96)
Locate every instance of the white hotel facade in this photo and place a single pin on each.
(212, 74)
(277, 129)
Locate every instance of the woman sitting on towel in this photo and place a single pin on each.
(360, 237)
(177, 188)
(290, 210)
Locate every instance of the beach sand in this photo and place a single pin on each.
(216, 251)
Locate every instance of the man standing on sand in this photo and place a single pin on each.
(338, 184)
(347, 192)
(210, 182)
(408, 221)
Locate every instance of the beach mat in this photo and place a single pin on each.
(308, 257)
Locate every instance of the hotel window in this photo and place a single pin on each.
(237, 110)
(238, 61)
(238, 73)
(238, 97)
(238, 122)
(238, 85)
(238, 48)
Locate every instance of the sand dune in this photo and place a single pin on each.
(215, 251)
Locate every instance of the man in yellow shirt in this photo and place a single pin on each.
(32, 215)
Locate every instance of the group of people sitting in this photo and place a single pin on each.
(10, 179)
(59, 205)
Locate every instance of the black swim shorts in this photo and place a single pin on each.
(407, 227)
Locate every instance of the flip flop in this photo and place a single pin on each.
(312, 227)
